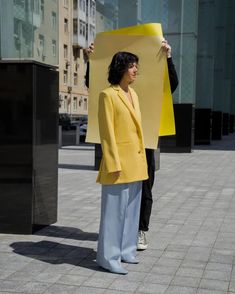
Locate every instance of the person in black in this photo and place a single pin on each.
(147, 197)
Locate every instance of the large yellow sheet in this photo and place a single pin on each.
(152, 84)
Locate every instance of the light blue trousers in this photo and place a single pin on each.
(119, 223)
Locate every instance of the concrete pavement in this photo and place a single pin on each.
(191, 239)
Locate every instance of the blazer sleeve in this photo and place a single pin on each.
(107, 134)
(172, 75)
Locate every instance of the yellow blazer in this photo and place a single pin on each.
(121, 138)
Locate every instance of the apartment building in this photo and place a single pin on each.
(29, 30)
(76, 32)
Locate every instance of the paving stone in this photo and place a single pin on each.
(180, 290)
(124, 285)
(189, 272)
(152, 288)
(214, 284)
(186, 281)
(217, 275)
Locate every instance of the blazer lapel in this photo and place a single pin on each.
(128, 104)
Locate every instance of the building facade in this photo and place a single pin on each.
(76, 32)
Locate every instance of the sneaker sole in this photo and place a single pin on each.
(142, 247)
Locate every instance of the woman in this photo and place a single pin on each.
(123, 165)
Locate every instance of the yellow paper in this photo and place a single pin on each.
(152, 84)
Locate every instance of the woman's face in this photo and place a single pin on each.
(131, 73)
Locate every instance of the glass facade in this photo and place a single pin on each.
(29, 30)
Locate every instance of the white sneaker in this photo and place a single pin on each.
(142, 241)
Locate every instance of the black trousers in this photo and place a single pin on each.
(147, 197)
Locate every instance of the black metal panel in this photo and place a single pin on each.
(225, 125)
(182, 141)
(28, 146)
(202, 127)
(216, 125)
(231, 123)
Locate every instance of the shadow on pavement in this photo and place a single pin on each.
(76, 166)
(56, 253)
(67, 233)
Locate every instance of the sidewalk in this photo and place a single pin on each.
(191, 239)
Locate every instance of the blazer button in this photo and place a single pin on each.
(139, 151)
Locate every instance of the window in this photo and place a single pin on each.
(65, 77)
(75, 4)
(82, 28)
(42, 11)
(65, 51)
(54, 47)
(82, 5)
(20, 3)
(41, 45)
(66, 27)
(53, 20)
(17, 33)
(92, 11)
(65, 102)
(92, 32)
(80, 102)
(75, 104)
(75, 79)
(85, 103)
(35, 6)
(75, 25)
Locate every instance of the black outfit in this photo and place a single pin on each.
(147, 197)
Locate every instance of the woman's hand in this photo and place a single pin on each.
(88, 51)
(166, 48)
(117, 173)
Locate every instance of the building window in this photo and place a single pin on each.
(66, 3)
(92, 32)
(66, 27)
(80, 102)
(75, 4)
(75, 79)
(65, 77)
(20, 3)
(85, 103)
(41, 45)
(53, 20)
(75, 25)
(54, 47)
(65, 51)
(75, 104)
(82, 5)
(82, 28)
(92, 11)
(17, 33)
(35, 6)
(42, 11)
(65, 102)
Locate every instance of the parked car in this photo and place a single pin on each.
(83, 130)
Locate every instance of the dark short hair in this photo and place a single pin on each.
(119, 65)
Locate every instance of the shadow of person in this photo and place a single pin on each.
(66, 233)
(56, 253)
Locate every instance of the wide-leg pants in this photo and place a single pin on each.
(120, 208)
